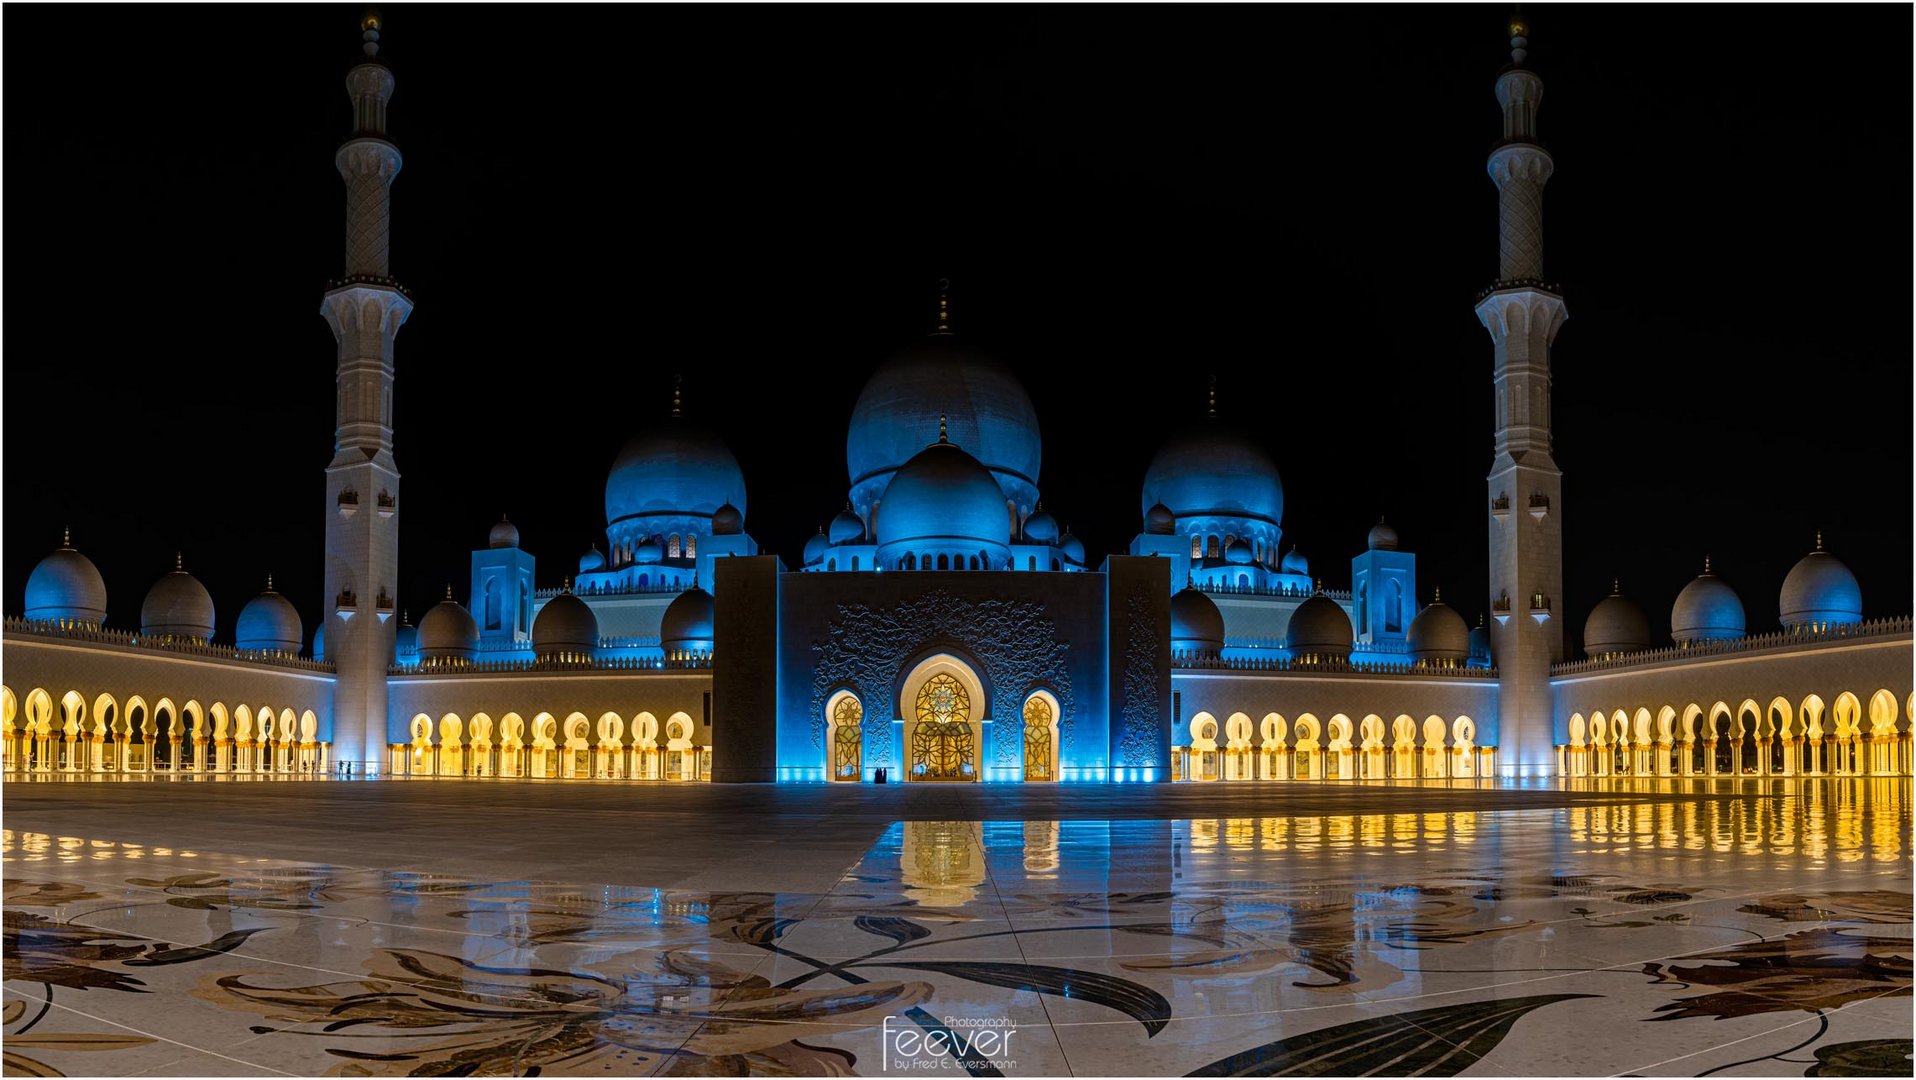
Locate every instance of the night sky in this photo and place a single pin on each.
(1126, 199)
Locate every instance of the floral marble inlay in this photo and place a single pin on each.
(1739, 935)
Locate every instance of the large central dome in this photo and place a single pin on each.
(987, 412)
(674, 467)
(1213, 468)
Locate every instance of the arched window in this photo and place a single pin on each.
(1363, 609)
(1055, 565)
(1038, 719)
(909, 562)
(672, 546)
(644, 580)
(847, 738)
(831, 564)
(492, 603)
(1031, 562)
(525, 609)
(1394, 608)
(1228, 538)
(1197, 547)
(854, 562)
(691, 547)
(944, 562)
(972, 562)
(1211, 548)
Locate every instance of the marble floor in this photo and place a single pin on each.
(1763, 929)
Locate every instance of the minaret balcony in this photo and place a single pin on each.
(1540, 608)
(348, 503)
(1500, 509)
(1539, 506)
(346, 604)
(1500, 609)
(388, 506)
(383, 605)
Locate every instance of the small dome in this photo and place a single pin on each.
(1196, 623)
(177, 606)
(1707, 610)
(319, 640)
(1294, 562)
(687, 623)
(727, 520)
(1382, 537)
(1214, 468)
(944, 498)
(269, 623)
(846, 528)
(816, 547)
(565, 626)
(1480, 644)
(503, 535)
(1159, 521)
(1319, 627)
(447, 633)
(1041, 527)
(593, 559)
(1616, 625)
(1439, 634)
(1071, 547)
(1238, 553)
(673, 467)
(406, 641)
(1819, 591)
(66, 585)
(649, 550)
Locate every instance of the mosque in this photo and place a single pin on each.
(943, 627)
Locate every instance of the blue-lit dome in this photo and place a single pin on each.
(1238, 553)
(1707, 610)
(1196, 623)
(566, 627)
(986, 411)
(687, 623)
(1213, 468)
(269, 623)
(846, 527)
(1480, 644)
(1319, 627)
(1041, 527)
(1438, 635)
(1294, 562)
(1616, 626)
(177, 606)
(675, 467)
(942, 502)
(1071, 547)
(728, 520)
(448, 634)
(593, 559)
(1820, 591)
(648, 551)
(66, 586)
(405, 641)
(816, 547)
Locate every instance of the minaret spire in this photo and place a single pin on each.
(1523, 315)
(944, 307)
(678, 394)
(365, 309)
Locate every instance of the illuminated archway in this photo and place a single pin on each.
(1041, 714)
(844, 737)
(944, 703)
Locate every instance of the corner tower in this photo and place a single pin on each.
(1523, 315)
(365, 308)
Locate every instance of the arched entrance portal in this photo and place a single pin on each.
(846, 744)
(943, 702)
(1041, 736)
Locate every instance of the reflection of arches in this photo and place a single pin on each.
(1041, 714)
(945, 701)
(845, 736)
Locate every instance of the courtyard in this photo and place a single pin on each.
(222, 926)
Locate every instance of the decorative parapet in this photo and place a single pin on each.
(1518, 283)
(1209, 661)
(1779, 639)
(1297, 592)
(582, 589)
(676, 662)
(71, 631)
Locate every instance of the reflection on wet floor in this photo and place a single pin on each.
(1747, 934)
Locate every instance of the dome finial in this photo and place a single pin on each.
(1519, 36)
(1211, 409)
(66, 536)
(449, 590)
(269, 583)
(1616, 586)
(1706, 564)
(942, 432)
(179, 563)
(944, 306)
(1320, 584)
(678, 382)
(1819, 539)
(369, 32)
(1436, 594)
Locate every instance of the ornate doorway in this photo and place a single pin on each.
(848, 740)
(1040, 738)
(942, 747)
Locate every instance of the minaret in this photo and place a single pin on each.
(1523, 315)
(365, 309)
